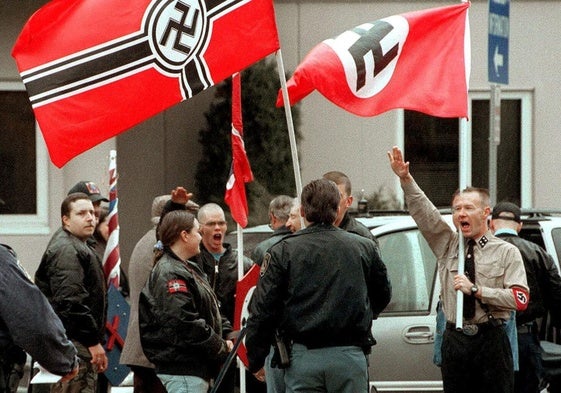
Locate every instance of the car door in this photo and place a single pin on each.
(402, 359)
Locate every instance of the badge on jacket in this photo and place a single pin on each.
(175, 286)
(265, 264)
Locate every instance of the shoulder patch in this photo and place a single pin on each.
(265, 264)
(175, 286)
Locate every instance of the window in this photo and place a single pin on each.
(556, 235)
(431, 144)
(23, 165)
(412, 270)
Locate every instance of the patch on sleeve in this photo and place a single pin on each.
(521, 297)
(265, 264)
(175, 286)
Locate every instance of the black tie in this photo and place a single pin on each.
(469, 300)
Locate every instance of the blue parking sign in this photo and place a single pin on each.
(499, 26)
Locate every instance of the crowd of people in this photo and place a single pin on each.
(322, 282)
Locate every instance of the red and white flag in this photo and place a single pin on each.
(240, 172)
(112, 254)
(418, 60)
(95, 68)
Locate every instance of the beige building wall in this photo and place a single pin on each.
(163, 152)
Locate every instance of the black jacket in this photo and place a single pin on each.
(543, 280)
(28, 320)
(321, 287)
(223, 276)
(351, 224)
(71, 277)
(181, 328)
(260, 249)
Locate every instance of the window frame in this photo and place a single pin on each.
(526, 151)
(526, 98)
(38, 223)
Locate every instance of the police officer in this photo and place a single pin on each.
(28, 322)
(320, 288)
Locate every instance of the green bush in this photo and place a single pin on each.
(266, 141)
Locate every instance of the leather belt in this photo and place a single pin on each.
(472, 329)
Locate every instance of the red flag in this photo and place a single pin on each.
(418, 60)
(240, 172)
(112, 255)
(95, 68)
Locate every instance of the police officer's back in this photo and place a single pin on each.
(321, 288)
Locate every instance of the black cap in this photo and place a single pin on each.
(506, 207)
(90, 189)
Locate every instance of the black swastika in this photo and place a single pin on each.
(370, 41)
(181, 28)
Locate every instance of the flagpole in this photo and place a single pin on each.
(111, 256)
(290, 124)
(464, 176)
(241, 366)
(464, 180)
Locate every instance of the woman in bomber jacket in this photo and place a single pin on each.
(181, 328)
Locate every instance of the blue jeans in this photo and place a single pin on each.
(527, 379)
(183, 383)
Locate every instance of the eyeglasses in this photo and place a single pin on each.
(212, 224)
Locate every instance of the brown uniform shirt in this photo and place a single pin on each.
(498, 264)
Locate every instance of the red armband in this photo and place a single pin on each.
(521, 297)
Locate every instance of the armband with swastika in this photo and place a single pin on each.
(521, 297)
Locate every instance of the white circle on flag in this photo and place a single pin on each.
(373, 84)
(177, 31)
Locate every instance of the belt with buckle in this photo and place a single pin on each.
(471, 329)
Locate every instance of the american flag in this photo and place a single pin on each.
(112, 256)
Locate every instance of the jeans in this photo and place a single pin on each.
(527, 379)
(183, 383)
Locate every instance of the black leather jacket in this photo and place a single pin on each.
(321, 287)
(223, 276)
(543, 280)
(351, 224)
(71, 277)
(260, 249)
(181, 328)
